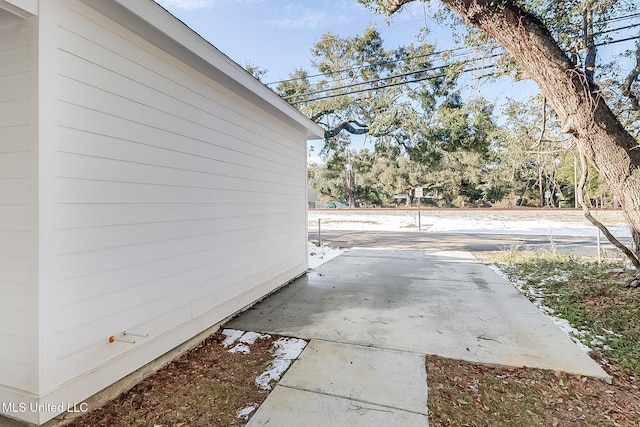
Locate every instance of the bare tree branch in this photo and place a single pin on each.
(543, 125)
(631, 78)
(316, 116)
(587, 213)
(589, 41)
(347, 125)
(393, 6)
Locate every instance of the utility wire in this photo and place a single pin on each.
(618, 41)
(470, 50)
(411, 73)
(422, 70)
(407, 59)
(622, 18)
(407, 81)
(626, 27)
(432, 67)
(390, 85)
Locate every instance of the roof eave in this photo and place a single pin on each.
(156, 25)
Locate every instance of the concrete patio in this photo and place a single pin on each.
(373, 314)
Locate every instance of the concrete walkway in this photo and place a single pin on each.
(373, 314)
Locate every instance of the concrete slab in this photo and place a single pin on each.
(364, 374)
(286, 407)
(419, 301)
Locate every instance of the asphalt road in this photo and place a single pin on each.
(479, 242)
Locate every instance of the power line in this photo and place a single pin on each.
(375, 64)
(618, 41)
(470, 50)
(391, 85)
(411, 73)
(622, 18)
(626, 27)
(408, 81)
(465, 61)
(422, 70)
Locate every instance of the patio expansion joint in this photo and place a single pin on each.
(374, 347)
(356, 400)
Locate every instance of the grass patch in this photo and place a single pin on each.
(593, 298)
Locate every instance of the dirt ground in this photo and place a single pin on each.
(464, 394)
(205, 387)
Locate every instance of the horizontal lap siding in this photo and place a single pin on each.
(173, 195)
(15, 206)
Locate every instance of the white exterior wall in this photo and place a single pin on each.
(18, 229)
(173, 197)
(167, 202)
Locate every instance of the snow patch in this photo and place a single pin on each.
(232, 335)
(318, 255)
(286, 350)
(479, 223)
(243, 339)
(244, 413)
(251, 337)
(240, 348)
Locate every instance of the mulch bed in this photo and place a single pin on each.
(466, 394)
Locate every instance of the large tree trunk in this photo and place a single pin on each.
(583, 112)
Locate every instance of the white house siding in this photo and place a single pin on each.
(172, 202)
(17, 317)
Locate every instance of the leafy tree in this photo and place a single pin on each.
(538, 40)
(531, 149)
(404, 103)
(348, 176)
(353, 93)
(398, 97)
(399, 176)
(459, 179)
(255, 70)
(596, 190)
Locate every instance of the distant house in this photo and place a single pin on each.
(148, 184)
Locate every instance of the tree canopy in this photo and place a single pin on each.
(547, 46)
(404, 99)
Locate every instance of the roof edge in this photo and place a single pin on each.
(155, 24)
(22, 8)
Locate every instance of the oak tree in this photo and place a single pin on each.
(568, 85)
